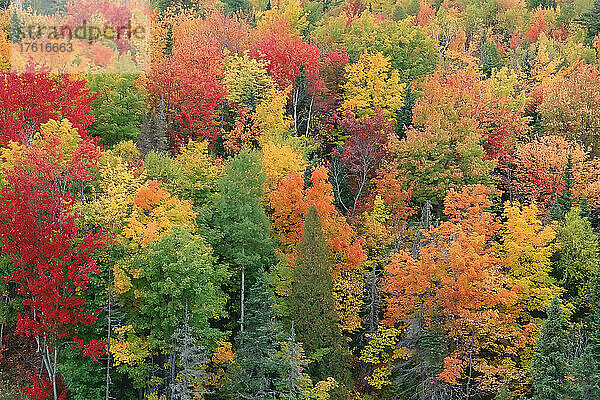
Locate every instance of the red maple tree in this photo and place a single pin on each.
(33, 98)
(52, 262)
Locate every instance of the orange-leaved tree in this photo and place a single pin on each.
(455, 285)
(290, 202)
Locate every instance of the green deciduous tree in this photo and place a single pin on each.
(241, 235)
(577, 260)
(412, 51)
(191, 175)
(117, 109)
(178, 276)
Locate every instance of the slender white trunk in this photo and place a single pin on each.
(243, 293)
(54, 389)
(295, 101)
(49, 362)
(108, 337)
(312, 100)
(243, 298)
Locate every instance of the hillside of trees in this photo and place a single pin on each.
(300, 200)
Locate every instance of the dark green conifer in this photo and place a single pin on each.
(259, 367)
(549, 368)
(312, 306)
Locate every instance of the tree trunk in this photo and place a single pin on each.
(54, 389)
(312, 100)
(295, 103)
(243, 294)
(108, 337)
(243, 298)
(48, 363)
(470, 363)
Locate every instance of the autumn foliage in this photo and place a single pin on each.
(52, 261)
(292, 199)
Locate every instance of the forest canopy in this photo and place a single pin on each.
(299, 199)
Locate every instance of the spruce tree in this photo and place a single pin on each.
(295, 381)
(16, 34)
(259, 366)
(154, 131)
(590, 20)
(188, 358)
(549, 367)
(503, 394)
(587, 368)
(312, 306)
(404, 116)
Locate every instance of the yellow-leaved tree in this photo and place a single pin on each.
(247, 80)
(270, 119)
(120, 179)
(290, 10)
(380, 352)
(505, 84)
(526, 248)
(372, 84)
(155, 212)
(278, 161)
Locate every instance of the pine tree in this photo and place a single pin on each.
(416, 376)
(491, 59)
(16, 28)
(188, 357)
(577, 260)
(295, 381)
(503, 394)
(404, 115)
(546, 4)
(590, 20)
(587, 368)
(259, 366)
(154, 135)
(549, 366)
(312, 305)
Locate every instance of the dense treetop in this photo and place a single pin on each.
(301, 199)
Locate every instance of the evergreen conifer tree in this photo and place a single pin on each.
(562, 204)
(312, 305)
(259, 366)
(587, 368)
(549, 367)
(295, 381)
(590, 20)
(188, 357)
